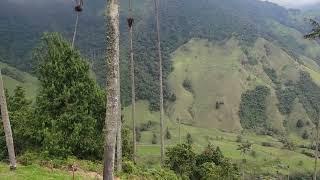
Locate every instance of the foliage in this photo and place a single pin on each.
(22, 124)
(266, 144)
(300, 123)
(286, 99)
(309, 95)
(210, 154)
(131, 171)
(239, 139)
(207, 165)
(70, 107)
(154, 139)
(244, 148)
(168, 134)
(138, 134)
(288, 144)
(305, 135)
(253, 107)
(271, 74)
(209, 171)
(181, 159)
(127, 145)
(187, 85)
(189, 139)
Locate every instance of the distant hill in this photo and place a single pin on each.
(239, 45)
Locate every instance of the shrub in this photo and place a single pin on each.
(27, 158)
(187, 85)
(266, 144)
(138, 134)
(305, 134)
(168, 134)
(128, 167)
(300, 123)
(310, 154)
(154, 139)
(181, 159)
(189, 139)
(239, 139)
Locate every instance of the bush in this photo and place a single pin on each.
(239, 139)
(187, 85)
(266, 144)
(300, 123)
(154, 139)
(147, 126)
(128, 167)
(168, 134)
(189, 139)
(138, 134)
(305, 134)
(181, 159)
(310, 154)
(27, 158)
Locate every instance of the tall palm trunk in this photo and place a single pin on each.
(316, 151)
(119, 143)
(179, 121)
(133, 89)
(7, 126)
(75, 29)
(112, 87)
(156, 4)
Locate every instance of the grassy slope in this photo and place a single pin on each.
(35, 172)
(30, 83)
(217, 74)
(268, 159)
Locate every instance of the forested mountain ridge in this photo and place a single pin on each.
(245, 21)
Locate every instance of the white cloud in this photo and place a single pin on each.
(294, 3)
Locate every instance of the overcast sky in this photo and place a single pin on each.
(294, 3)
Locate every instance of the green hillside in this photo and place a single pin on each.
(13, 77)
(208, 73)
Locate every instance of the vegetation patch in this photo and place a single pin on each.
(253, 107)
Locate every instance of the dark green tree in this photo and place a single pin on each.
(21, 114)
(168, 134)
(70, 107)
(189, 139)
(181, 159)
(154, 139)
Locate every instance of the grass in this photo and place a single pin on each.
(267, 160)
(35, 172)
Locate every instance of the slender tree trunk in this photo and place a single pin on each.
(179, 121)
(316, 152)
(119, 143)
(112, 87)
(75, 29)
(156, 4)
(7, 126)
(133, 95)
